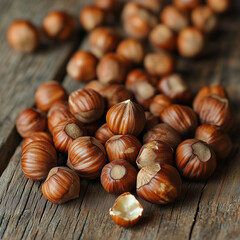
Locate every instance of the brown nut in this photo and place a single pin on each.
(118, 176)
(48, 93)
(174, 18)
(186, 5)
(219, 6)
(96, 85)
(162, 38)
(175, 88)
(128, 215)
(159, 183)
(151, 121)
(86, 105)
(38, 157)
(30, 121)
(61, 185)
(107, 5)
(65, 132)
(103, 40)
(123, 147)
(111, 69)
(91, 17)
(58, 25)
(155, 152)
(126, 118)
(182, 118)
(164, 133)
(204, 19)
(23, 36)
(216, 111)
(159, 103)
(190, 42)
(195, 159)
(152, 5)
(86, 156)
(215, 137)
(82, 66)
(103, 133)
(207, 91)
(131, 49)
(158, 64)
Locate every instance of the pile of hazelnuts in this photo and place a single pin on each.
(135, 127)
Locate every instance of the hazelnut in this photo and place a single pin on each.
(219, 6)
(37, 136)
(118, 176)
(158, 64)
(96, 86)
(111, 69)
(126, 211)
(48, 93)
(86, 156)
(103, 133)
(151, 121)
(162, 38)
(123, 147)
(159, 183)
(86, 105)
(215, 137)
(82, 66)
(216, 111)
(65, 132)
(23, 36)
(61, 185)
(175, 88)
(207, 91)
(38, 157)
(30, 121)
(126, 118)
(152, 5)
(195, 159)
(103, 40)
(164, 133)
(58, 25)
(159, 103)
(174, 18)
(204, 19)
(186, 5)
(107, 5)
(182, 118)
(155, 152)
(131, 49)
(91, 17)
(190, 42)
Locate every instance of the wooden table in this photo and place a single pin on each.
(205, 210)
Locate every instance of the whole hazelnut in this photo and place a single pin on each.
(204, 19)
(219, 6)
(190, 42)
(58, 25)
(61, 185)
(86, 105)
(155, 152)
(48, 93)
(164, 133)
(131, 49)
(111, 69)
(123, 147)
(65, 132)
(182, 118)
(103, 40)
(91, 17)
(82, 66)
(152, 5)
(159, 183)
(159, 103)
(118, 176)
(103, 133)
(23, 36)
(195, 159)
(215, 137)
(174, 18)
(216, 111)
(158, 64)
(151, 121)
(38, 157)
(86, 156)
(126, 118)
(186, 5)
(175, 88)
(30, 121)
(96, 85)
(162, 38)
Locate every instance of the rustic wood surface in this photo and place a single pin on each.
(205, 210)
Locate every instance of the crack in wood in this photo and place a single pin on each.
(83, 226)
